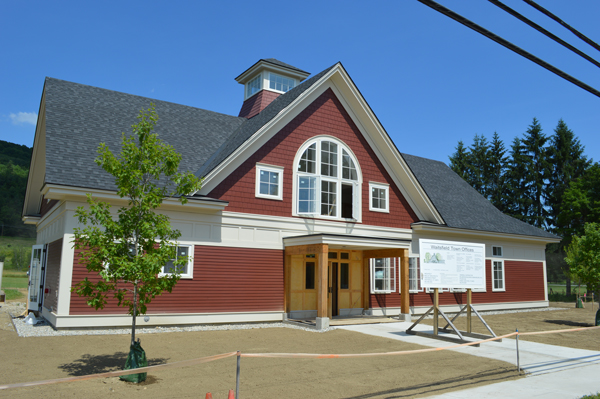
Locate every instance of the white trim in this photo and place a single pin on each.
(454, 231)
(159, 319)
(283, 76)
(494, 289)
(273, 169)
(65, 281)
(247, 86)
(380, 186)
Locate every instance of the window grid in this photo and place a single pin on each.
(378, 195)
(253, 86)
(185, 269)
(348, 168)
(498, 275)
(328, 198)
(280, 83)
(383, 275)
(496, 251)
(269, 183)
(413, 275)
(329, 159)
(307, 194)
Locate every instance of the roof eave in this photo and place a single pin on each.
(427, 227)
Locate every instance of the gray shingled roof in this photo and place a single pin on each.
(248, 129)
(460, 205)
(79, 117)
(283, 64)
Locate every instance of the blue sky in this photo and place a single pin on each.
(429, 80)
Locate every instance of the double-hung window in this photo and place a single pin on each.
(379, 197)
(498, 276)
(327, 180)
(174, 265)
(413, 275)
(269, 181)
(383, 275)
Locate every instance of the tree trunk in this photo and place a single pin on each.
(568, 286)
(135, 287)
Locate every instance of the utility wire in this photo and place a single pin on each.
(508, 45)
(543, 31)
(563, 23)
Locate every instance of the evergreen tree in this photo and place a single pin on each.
(537, 171)
(568, 163)
(479, 165)
(498, 162)
(459, 161)
(517, 203)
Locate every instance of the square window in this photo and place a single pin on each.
(379, 197)
(496, 251)
(185, 269)
(269, 182)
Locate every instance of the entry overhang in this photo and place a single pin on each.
(345, 241)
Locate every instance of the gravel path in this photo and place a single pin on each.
(43, 328)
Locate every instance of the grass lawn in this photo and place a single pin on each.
(12, 294)
(14, 282)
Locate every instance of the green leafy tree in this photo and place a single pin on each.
(583, 256)
(128, 250)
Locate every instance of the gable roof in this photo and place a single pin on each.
(79, 117)
(461, 205)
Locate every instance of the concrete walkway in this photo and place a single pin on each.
(552, 371)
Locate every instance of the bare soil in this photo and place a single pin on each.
(567, 318)
(418, 375)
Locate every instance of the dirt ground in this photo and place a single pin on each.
(418, 375)
(569, 318)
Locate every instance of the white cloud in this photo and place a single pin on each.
(24, 117)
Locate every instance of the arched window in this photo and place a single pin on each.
(327, 180)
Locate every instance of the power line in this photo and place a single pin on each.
(508, 45)
(563, 23)
(543, 31)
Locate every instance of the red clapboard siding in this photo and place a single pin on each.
(52, 274)
(255, 104)
(524, 282)
(225, 280)
(325, 116)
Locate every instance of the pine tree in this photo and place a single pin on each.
(537, 171)
(498, 162)
(459, 161)
(568, 163)
(517, 203)
(479, 165)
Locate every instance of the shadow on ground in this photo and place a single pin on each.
(94, 364)
(458, 383)
(569, 323)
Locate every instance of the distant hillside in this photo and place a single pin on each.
(14, 168)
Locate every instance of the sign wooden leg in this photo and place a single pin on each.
(436, 304)
(468, 310)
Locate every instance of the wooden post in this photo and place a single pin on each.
(366, 282)
(468, 310)
(436, 304)
(322, 283)
(404, 294)
(287, 283)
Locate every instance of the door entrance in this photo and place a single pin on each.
(333, 289)
(35, 278)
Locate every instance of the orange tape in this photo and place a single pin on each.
(207, 359)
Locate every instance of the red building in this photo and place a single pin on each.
(308, 209)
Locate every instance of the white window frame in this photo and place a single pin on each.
(260, 79)
(391, 266)
(415, 265)
(496, 248)
(356, 189)
(268, 85)
(380, 186)
(494, 289)
(273, 169)
(190, 265)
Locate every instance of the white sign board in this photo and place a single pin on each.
(448, 264)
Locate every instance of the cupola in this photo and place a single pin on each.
(265, 81)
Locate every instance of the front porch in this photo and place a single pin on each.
(329, 276)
